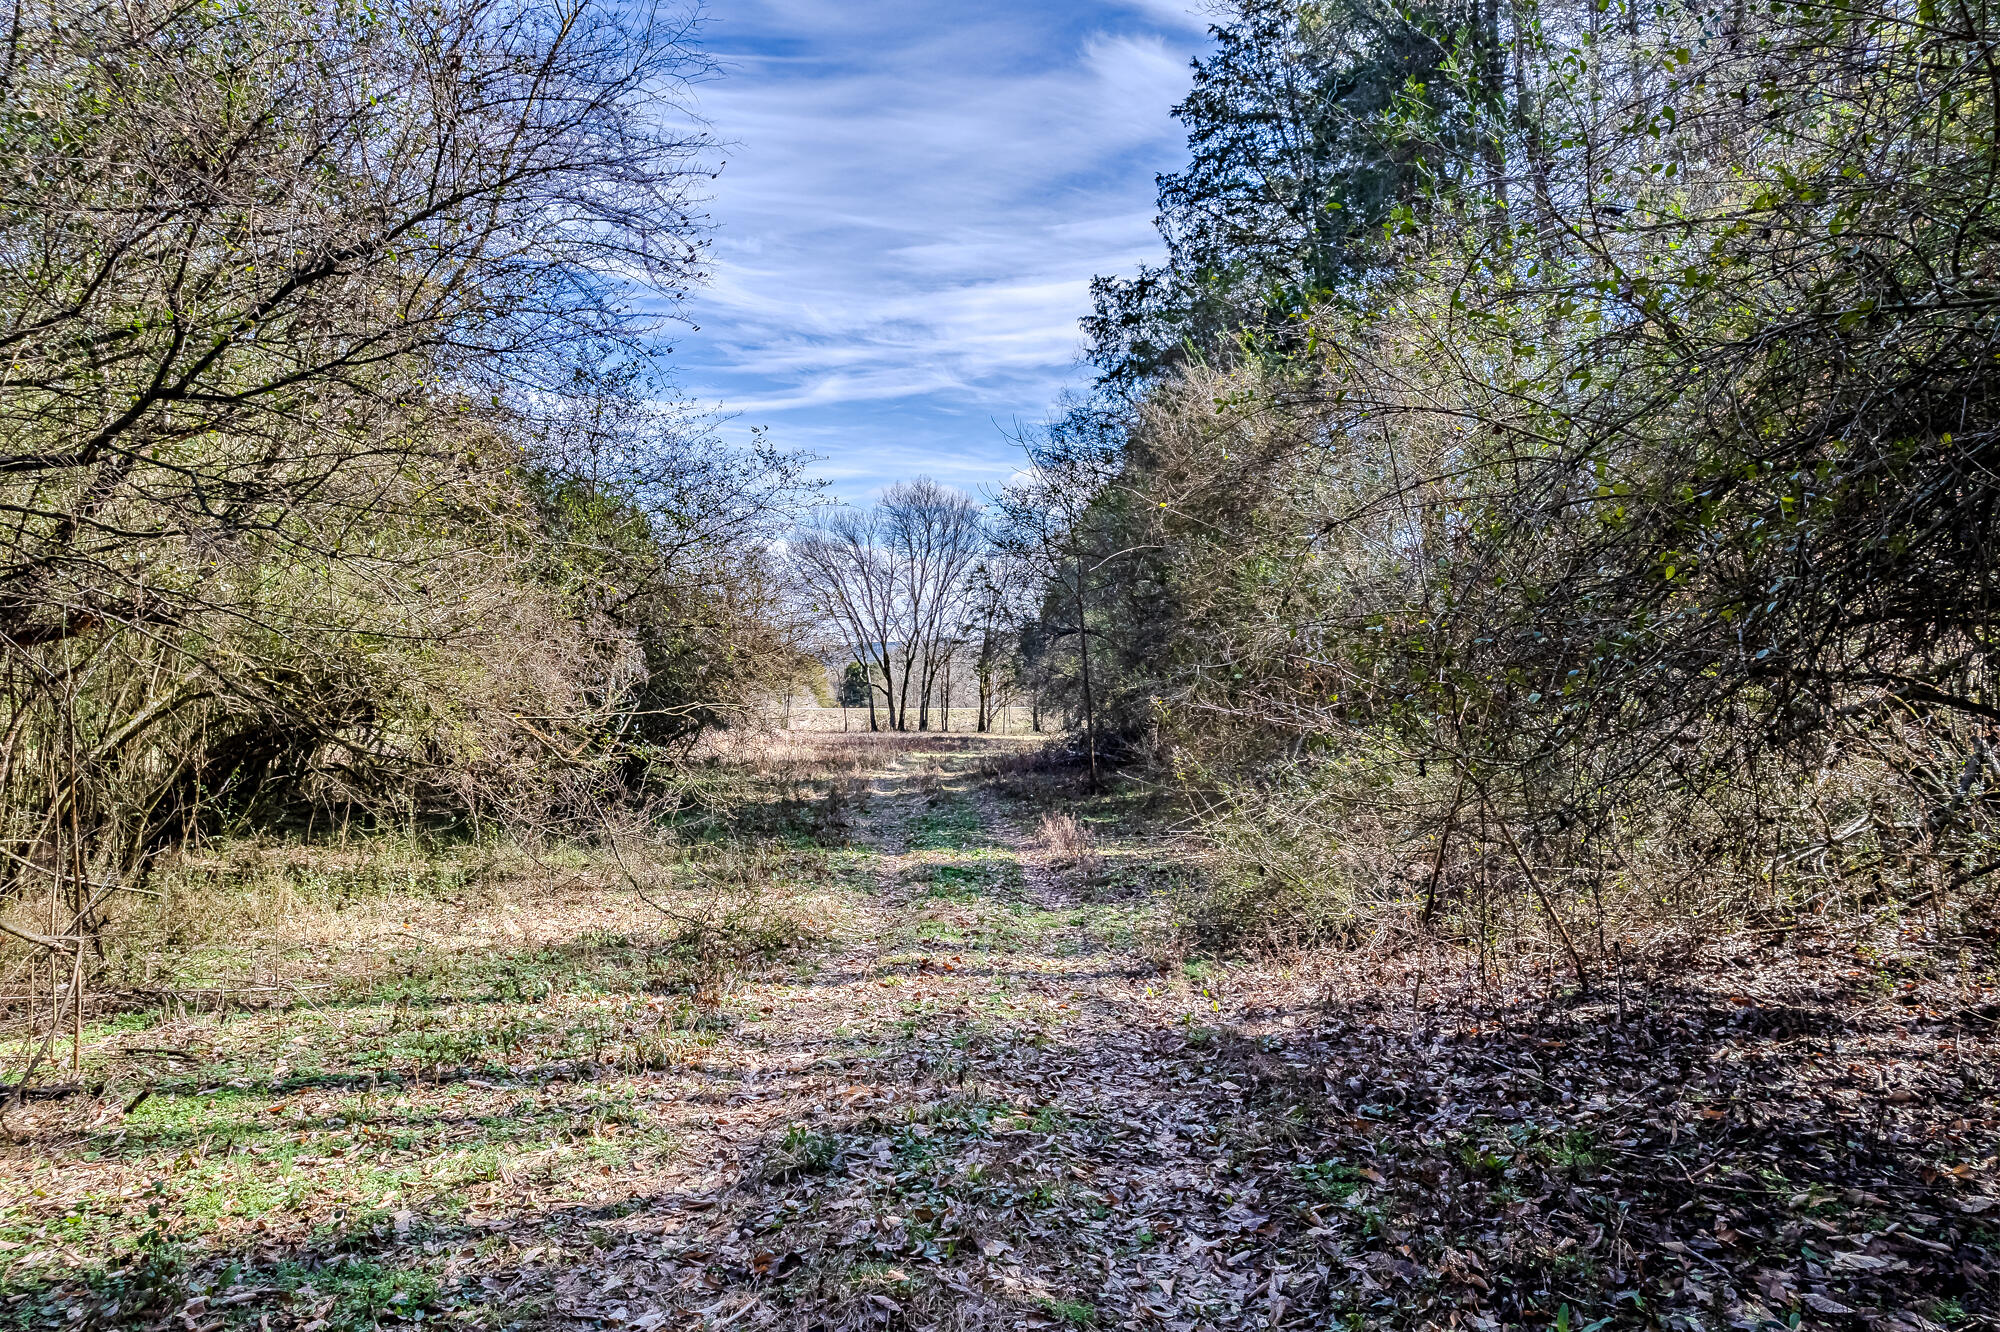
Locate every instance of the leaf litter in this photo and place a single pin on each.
(982, 1104)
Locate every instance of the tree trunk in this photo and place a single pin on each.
(901, 721)
(1491, 79)
(1083, 653)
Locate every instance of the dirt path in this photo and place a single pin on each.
(965, 1091)
(1017, 1120)
(981, 1112)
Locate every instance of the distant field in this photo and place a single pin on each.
(1012, 721)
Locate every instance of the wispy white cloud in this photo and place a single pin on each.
(914, 204)
(1189, 14)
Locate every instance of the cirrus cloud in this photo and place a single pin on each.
(915, 200)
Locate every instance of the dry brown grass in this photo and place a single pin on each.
(1069, 843)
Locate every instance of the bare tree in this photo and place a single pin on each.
(894, 579)
(934, 535)
(243, 252)
(283, 287)
(840, 560)
(999, 587)
(1050, 525)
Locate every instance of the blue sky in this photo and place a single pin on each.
(915, 199)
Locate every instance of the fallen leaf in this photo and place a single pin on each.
(1860, 1262)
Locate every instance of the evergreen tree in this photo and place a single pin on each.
(1297, 159)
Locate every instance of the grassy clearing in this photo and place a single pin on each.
(905, 1065)
(321, 1068)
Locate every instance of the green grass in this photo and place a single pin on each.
(350, 1293)
(1071, 1313)
(326, 1122)
(1328, 1181)
(957, 883)
(341, 1144)
(951, 823)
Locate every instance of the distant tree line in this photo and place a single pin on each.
(913, 591)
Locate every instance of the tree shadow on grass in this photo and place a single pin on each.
(1697, 1156)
